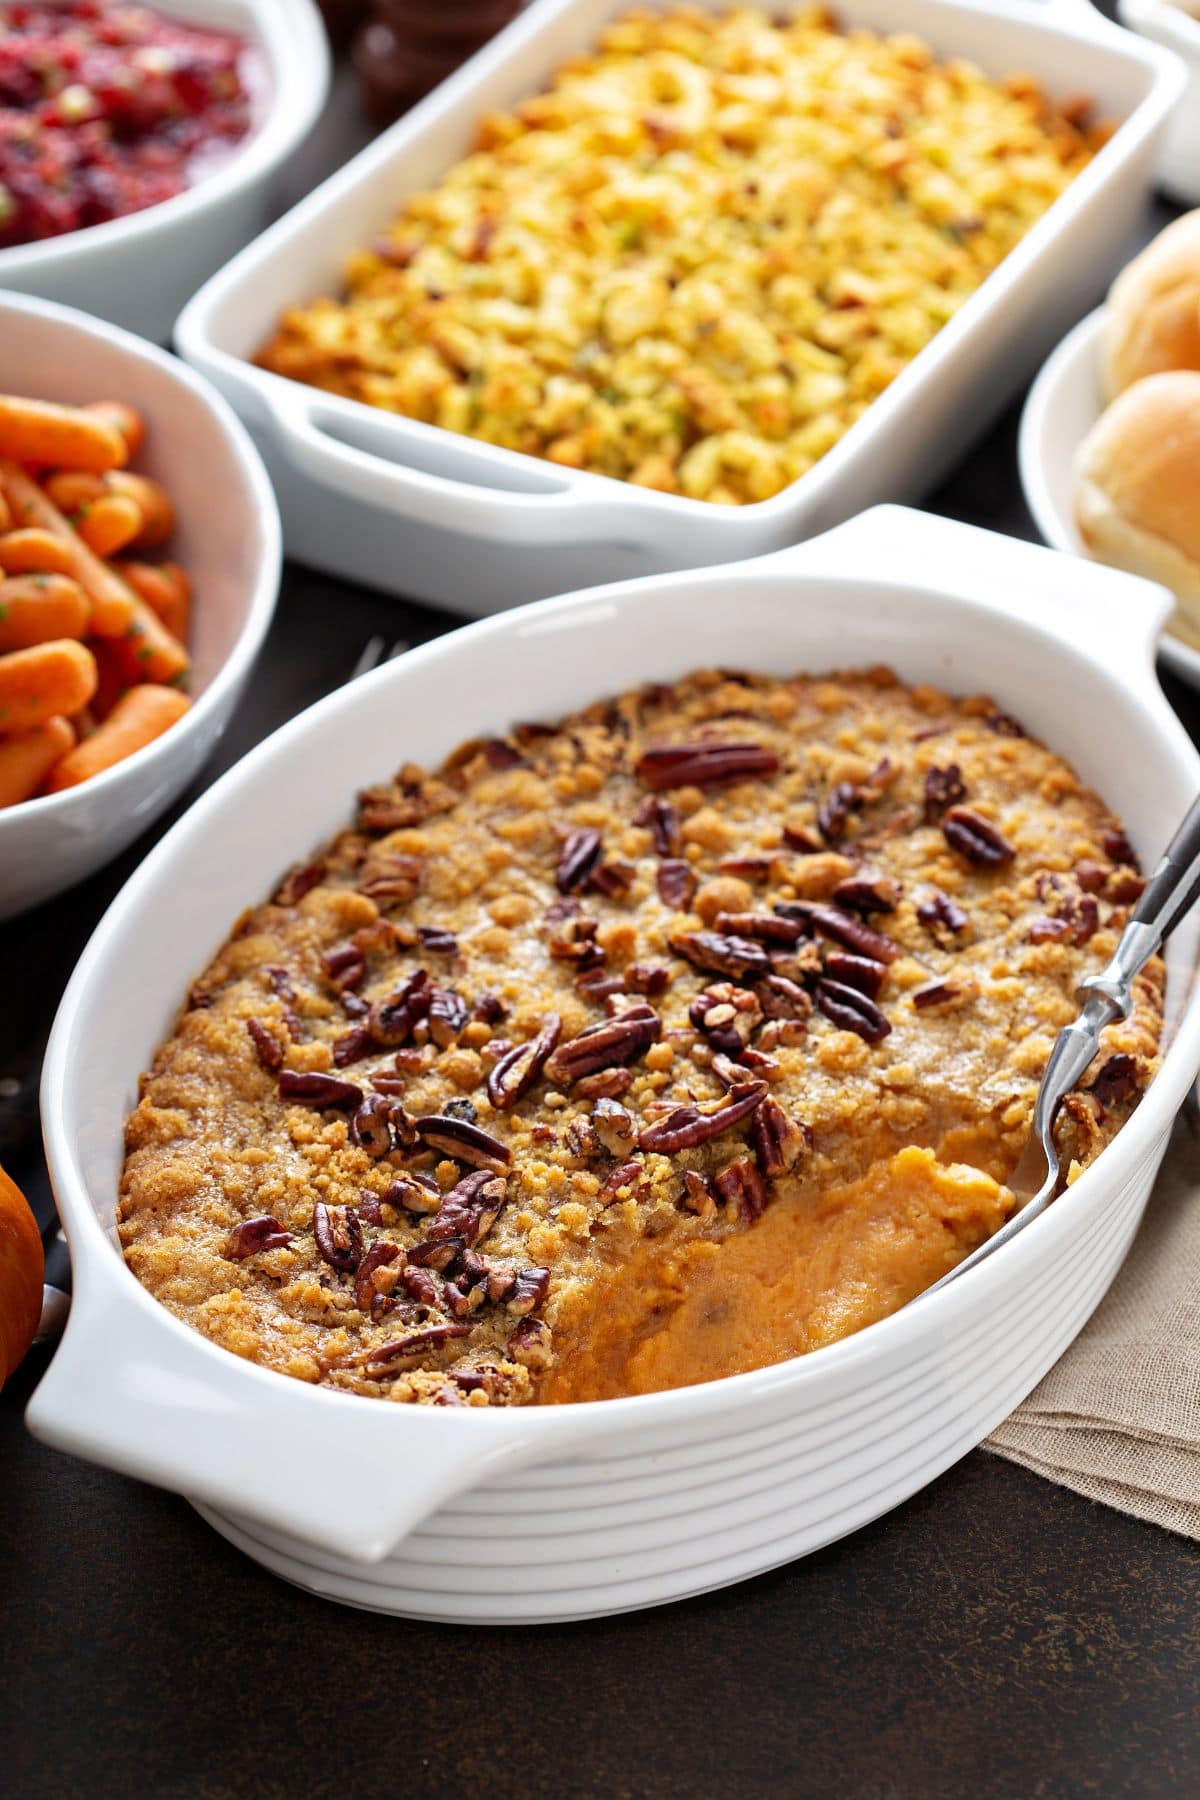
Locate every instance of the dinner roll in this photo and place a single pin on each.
(1137, 488)
(1153, 316)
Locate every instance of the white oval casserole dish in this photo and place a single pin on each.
(417, 510)
(555, 1513)
(137, 271)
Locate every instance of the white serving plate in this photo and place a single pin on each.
(1064, 403)
(554, 1513)
(421, 511)
(227, 537)
(138, 271)
(1179, 162)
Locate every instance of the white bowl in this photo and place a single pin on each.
(1177, 30)
(227, 538)
(1064, 403)
(560, 1512)
(137, 271)
(418, 510)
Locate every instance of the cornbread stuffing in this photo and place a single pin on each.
(697, 258)
(687, 1035)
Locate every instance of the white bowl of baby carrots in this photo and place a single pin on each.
(139, 566)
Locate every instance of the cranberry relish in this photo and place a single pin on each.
(108, 109)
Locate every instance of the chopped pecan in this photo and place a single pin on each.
(604, 1084)
(283, 988)
(379, 1256)
(742, 1186)
(677, 883)
(833, 814)
(942, 917)
(441, 1254)
(578, 944)
(844, 928)
(298, 882)
(490, 1009)
(613, 879)
(528, 1290)
(351, 1047)
(581, 1137)
(463, 1141)
(663, 822)
(437, 940)
(648, 978)
(461, 1108)
(420, 1286)
(345, 965)
(371, 1125)
(530, 1344)
(1004, 725)
(699, 1194)
(311, 1089)
(779, 1142)
(764, 928)
(469, 1210)
(727, 1015)
(517, 1071)
(708, 762)
(868, 894)
(567, 906)
(393, 1018)
(393, 809)
(782, 998)
(1092, 876)
(251, 1236)
(861, 972)
(415, 1193)
(750, 868)
(1125, 886)
(579, 855)
(267, 1047)
(468, 1291)
(1118, 848)
(339, 1236)
(1074, 914)
(1119, 1078)
(448, 1016)
(721, 954)
(851, 1010)
(368, 1208)
(1048, 930)
(686, 1126)
(390, 877)
(936, 994)
(382, 1359)
(500, 754)
(943, 788)
(777, 1032)
(609, 1042)
(798, 837)
(614, 1126)
(600, 986)
(976, 838)
(628, 1174)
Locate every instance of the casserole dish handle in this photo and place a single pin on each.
(1114, 616)
(315, 433)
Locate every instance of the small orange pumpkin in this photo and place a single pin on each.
(22, 1267)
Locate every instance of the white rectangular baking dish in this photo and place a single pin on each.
(137, 271)
(421, 511)
(554, 1513)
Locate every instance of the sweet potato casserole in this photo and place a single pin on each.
(696, 260)
(684, 1036)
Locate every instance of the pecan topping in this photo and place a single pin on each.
(614, 1126)
(779, 1142)
(581, 1137)
(782, 998)
(501, 755)
(517, 1071)
(599, 986)
(468, 1291)
(605, 1084)
(448, 1016)
(1004, 725)
(851, 1010)
(527, 1291)
(267, 1047)
(252, 1235)
(1092, 876)
(699, 1194)
(1047, 930)
(311, 1089)
(392, 1019)
(627, 1175)
(844, 928)
(578, 944)
(389, 877)
(750, 868)
(379, 1256)
(861, 972)
(420, 1286)
(868, 894)
(709, 762)
(606, 1043)
(721, 954)
(351, 1047)
(442, 1255)
(530, 1344)
(726, 1015)
(339, 1235)
(368, 1208)
(490, 1009)
(579, 856)
(663, 822)
(299, 882)
(383, 1358)
(613, 879)
(648, 978)
(285, 992)
(1118, 848)
(677, 883)
(345, 965)
(942, 917)
(742, 1186)
(465, 1142)
(686, 1126)
(833, 814)
(437, 940)
(976, 838)
(765, 928)
(371, 1125)
(565, 907)
(796, 837)
(943, 788)
(1074, 914)
(936, 993)
(1120, 1078)
(415, 1193)
(469, 1210)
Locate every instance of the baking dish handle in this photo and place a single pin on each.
(314, 438)
(135, 1390)
(1118, 617)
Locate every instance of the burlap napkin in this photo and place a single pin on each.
(1118, 1418)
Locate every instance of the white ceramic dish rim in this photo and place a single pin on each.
(1080, 346)
(1171, 24)
(530, 494)
(261, 604)
(435, 1441)
(290, 36)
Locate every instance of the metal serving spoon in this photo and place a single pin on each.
(1170, 893)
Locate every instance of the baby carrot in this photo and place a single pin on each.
(139, 717)
(6, 518)
(113, 677)
(148, 651)
(58, 677)
(123, 418)
(26, 760)
(112, 601)
(34, 551)
(37, 608)
(73, 491)
(166, 590)
(158, 515)
(110, 524)
(63, 437)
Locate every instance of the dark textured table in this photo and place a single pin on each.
(995, 1636)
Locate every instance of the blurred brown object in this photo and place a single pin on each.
(406, 47)
(342, 19)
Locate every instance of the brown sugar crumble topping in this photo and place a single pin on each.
(690, 1034)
